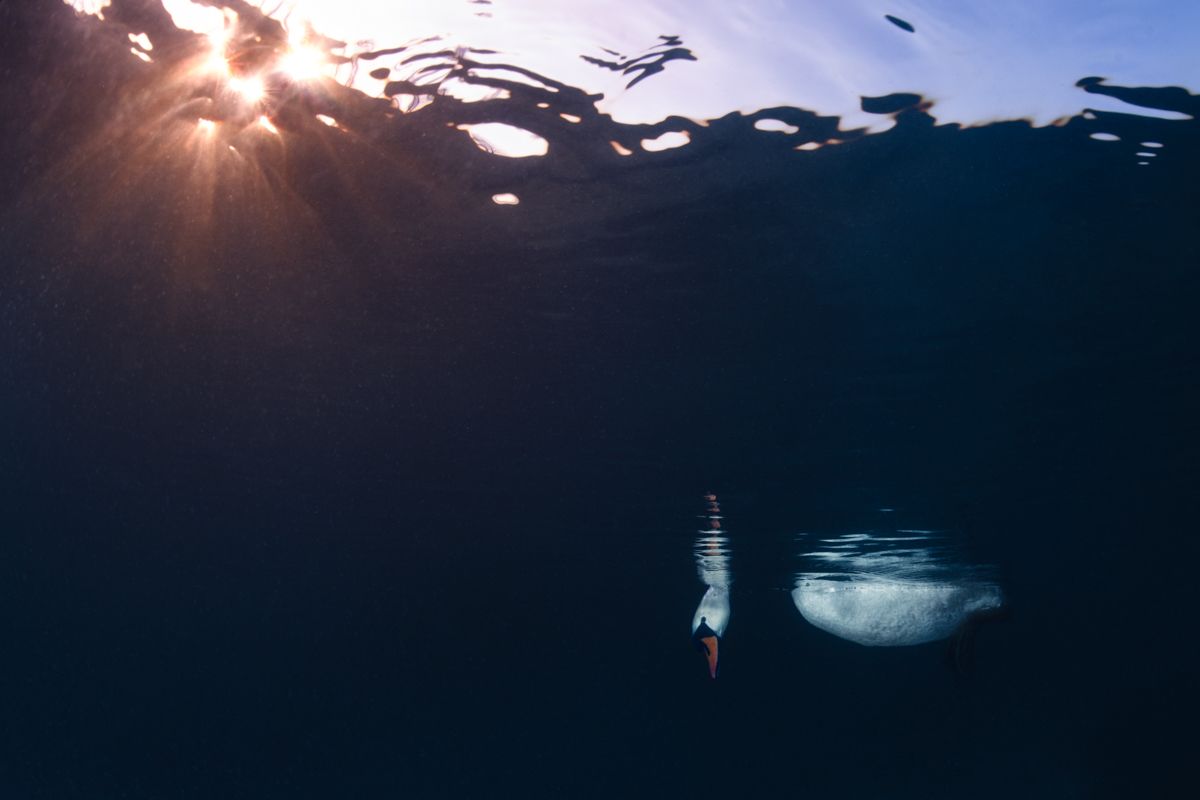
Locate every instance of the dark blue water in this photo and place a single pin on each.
(325, 475)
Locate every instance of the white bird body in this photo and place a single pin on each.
(713, 610)
(880, 612)
(712, 565)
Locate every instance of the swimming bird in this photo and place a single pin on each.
(885, 612)
(712, 567)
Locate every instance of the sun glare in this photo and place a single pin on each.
(303, 63)
(251, 89)
(217, 37)
(216, 63)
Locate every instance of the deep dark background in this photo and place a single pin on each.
(329, 476)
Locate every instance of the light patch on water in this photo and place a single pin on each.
(502, 139)
(1151, 144)
(667, 141)
(505, 199)
(141, 40)
(207, 20)
(471, 92)
(93, 7)
(1105, 137)
(409, 103)
(775, 125)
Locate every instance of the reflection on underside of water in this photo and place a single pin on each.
(703, 59)
(237, 63)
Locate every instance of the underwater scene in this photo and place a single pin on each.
(460, 398)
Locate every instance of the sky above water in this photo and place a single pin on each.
(978, 61)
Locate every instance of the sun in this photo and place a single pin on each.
(303, 63)
(251, 89)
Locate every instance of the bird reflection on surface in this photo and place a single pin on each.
(712, 564)
(895, 588)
